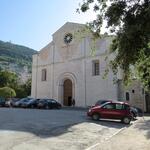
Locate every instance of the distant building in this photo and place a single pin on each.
(66, 70)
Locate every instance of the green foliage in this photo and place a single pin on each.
(129, 21)
(27, 87)
(7, 92)
(143, 69)
(23, 90)
(8, 79)
(20, 91)
(16, 54)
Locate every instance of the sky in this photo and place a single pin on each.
(32, 22)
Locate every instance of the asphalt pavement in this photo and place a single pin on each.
(35, 129)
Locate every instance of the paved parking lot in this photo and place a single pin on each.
(32, 129)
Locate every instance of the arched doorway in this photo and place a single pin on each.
(67, 94)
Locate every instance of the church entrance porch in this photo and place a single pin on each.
(67, 99)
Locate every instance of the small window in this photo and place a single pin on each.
(126, 107)
(127, 96)
(119, 107)
(133, 91)
(44, 74)
(53, 101)
(109, 106)
(95, 67)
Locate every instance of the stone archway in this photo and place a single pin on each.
(60, 82)
(67, 92)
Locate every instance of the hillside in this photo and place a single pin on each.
(16, 57)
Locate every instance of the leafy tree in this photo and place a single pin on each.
(129, 21)
(8, 78)
(24, 90)
(20, 91)
(7, 92)
(27, 87)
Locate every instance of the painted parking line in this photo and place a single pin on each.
(95, 145)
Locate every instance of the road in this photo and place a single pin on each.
(33, 129)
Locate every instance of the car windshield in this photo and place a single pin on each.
(100, 102)
(105, 104)
(25, 99)
(31, 100)
(109, 106)
(52, 100)
(2, 99)
(41, 100)
(22, 99)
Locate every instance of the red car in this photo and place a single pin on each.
(111, 110)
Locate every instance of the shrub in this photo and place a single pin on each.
(7, 92)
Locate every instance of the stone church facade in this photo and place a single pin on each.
(65, 69)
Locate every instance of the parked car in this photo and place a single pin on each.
(48, 104)
(21, 101)
(111, 110)
(134, 111)
(138, 110)
(14, 100)
(32, 103)
(2, 102)
(7, 103)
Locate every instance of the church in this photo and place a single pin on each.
(66, 69)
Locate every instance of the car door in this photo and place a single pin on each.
(107, 111)
(126, 111)
(119, 111)
(114, 111)
(52, 103)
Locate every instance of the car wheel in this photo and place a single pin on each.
(95, 116)
(126, 120)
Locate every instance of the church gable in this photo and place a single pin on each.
(67, 46)
(69, 26)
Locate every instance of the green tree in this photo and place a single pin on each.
(7, 92)
(23, 90)
(20, 91)
(27, 87)
(8, 78)
(129, 21)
